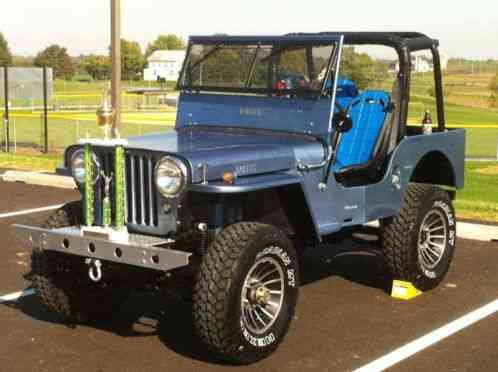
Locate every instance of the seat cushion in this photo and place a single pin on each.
(368, 114)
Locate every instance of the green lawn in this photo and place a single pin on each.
(455, 114)
(66, 128)
(479, 198)
(46, 163)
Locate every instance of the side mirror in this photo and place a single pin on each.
(342, 122)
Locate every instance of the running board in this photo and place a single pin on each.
(139, 250)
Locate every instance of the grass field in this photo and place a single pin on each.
(479, 199)
(66, 128)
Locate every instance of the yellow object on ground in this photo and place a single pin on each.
(404, 290)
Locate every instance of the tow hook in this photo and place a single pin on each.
(95, 271)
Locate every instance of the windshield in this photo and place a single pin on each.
(258, 69)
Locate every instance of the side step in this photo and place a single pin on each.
(139, 250)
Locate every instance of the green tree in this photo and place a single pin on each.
(5, 54)
(165, 42)
(21, 61)
(359, 67)
(132, 60)
(97, 66)
(57, 58)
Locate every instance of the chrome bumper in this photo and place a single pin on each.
(140, 250)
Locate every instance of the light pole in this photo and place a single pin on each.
(116, 65)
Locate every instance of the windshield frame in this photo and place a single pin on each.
(278, 45)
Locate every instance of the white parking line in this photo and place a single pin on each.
(424, 342)
(29, 211)
(15, 296)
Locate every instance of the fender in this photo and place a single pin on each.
(385, 199)
(260, 183)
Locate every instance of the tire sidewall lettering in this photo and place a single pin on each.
(450, 243)
(291, 283)
(254, 341)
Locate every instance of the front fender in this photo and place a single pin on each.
(289, 186)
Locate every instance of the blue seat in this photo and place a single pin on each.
(368, 112)
(346, 88)
(346, 93)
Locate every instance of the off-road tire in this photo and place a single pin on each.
(400, 236)
(61, 281)
(217, 311)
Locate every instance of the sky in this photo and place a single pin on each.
(465, 29)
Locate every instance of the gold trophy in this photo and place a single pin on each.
(106, 114)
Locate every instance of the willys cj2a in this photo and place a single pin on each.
(273, 152)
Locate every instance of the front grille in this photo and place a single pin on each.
(141, 204)
(140, 193)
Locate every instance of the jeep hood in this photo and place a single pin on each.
(241, 151)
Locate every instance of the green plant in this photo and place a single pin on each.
(57, 58)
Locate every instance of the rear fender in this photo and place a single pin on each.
(437, 159)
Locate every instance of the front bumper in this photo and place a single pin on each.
(140, 250)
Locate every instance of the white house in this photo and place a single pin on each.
(422, 63)
(164, 64)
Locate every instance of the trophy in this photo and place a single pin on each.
(106, 114)
(112, 215)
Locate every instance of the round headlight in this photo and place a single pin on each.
(170, 177)
(78, 167)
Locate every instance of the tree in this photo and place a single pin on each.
(97, 66)
(359, 67)
(57, 58)
(165, 42)
(21, 61)
(5, 54)
(132, 60)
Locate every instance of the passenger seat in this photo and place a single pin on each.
(368, 112)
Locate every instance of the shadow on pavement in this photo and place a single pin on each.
(353, 257)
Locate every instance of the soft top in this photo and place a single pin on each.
(411, 40)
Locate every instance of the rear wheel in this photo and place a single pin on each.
(419, 243)
(61, 281)
(246, 291)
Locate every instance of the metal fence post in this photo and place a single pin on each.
(45, 108)
(6, 114)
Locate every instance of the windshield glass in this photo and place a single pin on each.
(261, 69)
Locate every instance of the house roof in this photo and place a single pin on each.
(166, 55)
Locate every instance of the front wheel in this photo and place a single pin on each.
(246, 291)
(419, 243)
(61, 281)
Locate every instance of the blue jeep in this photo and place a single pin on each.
(255, 171)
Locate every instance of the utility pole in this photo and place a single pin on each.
(116, 64)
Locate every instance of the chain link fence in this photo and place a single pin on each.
(40, 114)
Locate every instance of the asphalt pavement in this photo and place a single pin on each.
(345, 317)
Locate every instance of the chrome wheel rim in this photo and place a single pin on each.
(432, 239)
(262, 295)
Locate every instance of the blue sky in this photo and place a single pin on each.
(466, 29)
